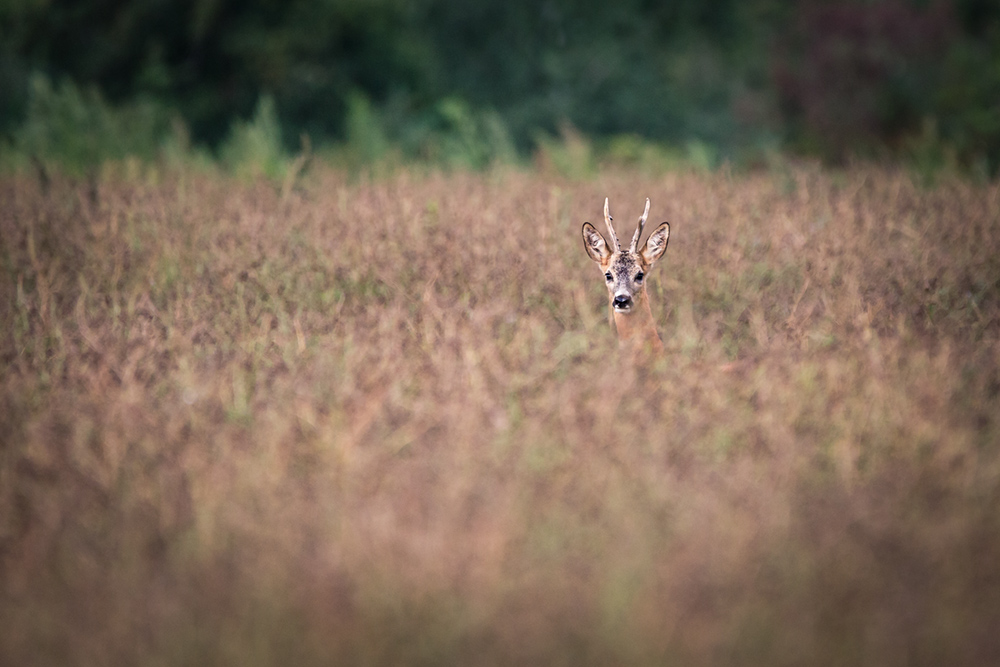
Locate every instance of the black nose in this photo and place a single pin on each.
(622, 301)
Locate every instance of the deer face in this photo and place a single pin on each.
(625, 270)
(624, 277)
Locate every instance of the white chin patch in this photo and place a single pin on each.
(623, 310)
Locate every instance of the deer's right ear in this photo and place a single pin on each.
(595, 244)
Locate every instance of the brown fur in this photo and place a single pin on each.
(637, 330)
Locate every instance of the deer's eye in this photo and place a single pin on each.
(638, 277)
(607, 276)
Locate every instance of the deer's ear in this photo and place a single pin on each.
(595, 244)
(656, 244)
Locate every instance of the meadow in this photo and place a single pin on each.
(365, 421)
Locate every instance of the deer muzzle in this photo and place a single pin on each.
(622, 303)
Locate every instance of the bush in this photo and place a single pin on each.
(254, 147)
(464, 137)
(79, 130)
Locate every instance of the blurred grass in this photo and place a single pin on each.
(373, 421)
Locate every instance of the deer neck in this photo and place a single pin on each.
(636, 329)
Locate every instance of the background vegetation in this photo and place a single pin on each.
(385, 422)
(303, 362)
(454, 82)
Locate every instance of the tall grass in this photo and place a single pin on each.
(386, 422)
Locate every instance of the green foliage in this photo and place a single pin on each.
(79, 130)
(365, 133)
(463, 137)
(483, 77)
(634, 151)
(465, 85)
(966, 102)
(254, 147)
(451, 134)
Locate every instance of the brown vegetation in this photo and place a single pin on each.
(386, 422)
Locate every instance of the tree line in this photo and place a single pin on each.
(917, 78)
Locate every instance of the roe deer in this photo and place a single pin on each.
(624, 273)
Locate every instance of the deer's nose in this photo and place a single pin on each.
(622, 301)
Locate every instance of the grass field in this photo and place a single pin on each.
(370, 422)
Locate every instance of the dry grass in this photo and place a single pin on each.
(387, 423)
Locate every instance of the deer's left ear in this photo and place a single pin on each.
(656, 244)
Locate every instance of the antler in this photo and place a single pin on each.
(638, 230)
(611, 230)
